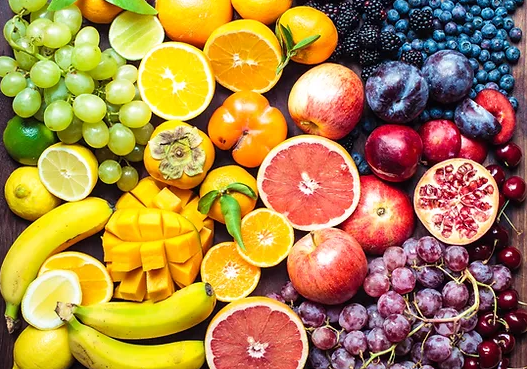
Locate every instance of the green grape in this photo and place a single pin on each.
(41, 13)
(29, 5)
(63, 57)
(129, 179)
(27, 102)
(122, 140)
(137, 96)
(58, 115)
(47, 52)
(105, 69)
(85, 57)
(96, 134)
(15, 29)
(128, 72)
(12, 84)
(105, 153)
(88, 35)
(73, 133)
(120, 91)
(39, 115)
(71, 16)
(24, 60)
(45, 74)
(118, 58)
(89, 108)
(57, 92)
(79, 83)
(110, 171)
(7, 65)
(35, 31)
(30, 84)
(57, 35)
(137, 154)
(113, 111)
(135, 114)
(143, 134)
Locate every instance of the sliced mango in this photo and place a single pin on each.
(117, 293)
(109, 241)
(146, 190)
(186, 273)
(183, 195)
(153, 255)
(133, 285)
(115, 275)
(150, 225)
(126, 256)
(128, 201)
(180, 249)
(193, 215)
(167, 200)
(207, 238)
(126, 225)
(159, 284)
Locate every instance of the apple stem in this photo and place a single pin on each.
(313, 238)
(381, 211)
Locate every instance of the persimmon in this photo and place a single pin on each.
(249, 125)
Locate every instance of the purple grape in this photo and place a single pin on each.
(429, 249)
(397, 366)
(404, 346)
(377, 340)
(403, 280)
(455, 295)
(374, 317)
(501, 278)
(468, 323)
(391, 303)
(377, 266)
(486, 299)
(376, 365)
(376, 284)
(448, 328)
(430, 276)
(396, 327)
(312, 314)
(427, 367)
(355, 343)
(456, 360)
(437, 348)
(318, 359)
(410, 250)
(469, 342)
(289, 292)
(408, 364)
(333, 313)
(341, 359)
(421, 334)
(324, 338)
(394, 257)
(480, 271)
(342, 336)
(456, 258)
(417, 355)
(276, 296)
(429, 301)
(353, 317)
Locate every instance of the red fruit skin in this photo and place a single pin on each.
(473, 149)
(441, 140)
(393, 152)
(384, 217)
(515, 189)
(327, 100)
(327, 266)
(498, 105)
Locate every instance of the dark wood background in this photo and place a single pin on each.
(273, 278)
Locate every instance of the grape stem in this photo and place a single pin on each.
(494, 297)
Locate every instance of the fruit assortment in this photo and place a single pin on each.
(362, 292)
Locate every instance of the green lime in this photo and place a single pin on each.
(26, 139)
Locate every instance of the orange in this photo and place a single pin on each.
(244, 55)
(231, 276)
(193, 21)
(220, 178)
(98, 11)
(265, 11)
(96, 284)
(176, 81)
(268, 237)
(304, 22)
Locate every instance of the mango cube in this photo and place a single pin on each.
(167, 200)
(187, 272)
(153, 255)
(159, 284)
(180, 249)
(133, 285)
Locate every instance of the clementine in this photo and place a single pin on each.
(265, 11)
(98, 11)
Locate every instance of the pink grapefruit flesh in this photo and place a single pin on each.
(313, 181)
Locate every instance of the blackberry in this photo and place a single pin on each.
(412, 57)
(358, 5)
(368, 71)
(369, 36)
(369, 57)
(347, 141)
(350, 45)
(389, 42)
(421, 21)
(338, 53)
(374, 11)
(343, 15)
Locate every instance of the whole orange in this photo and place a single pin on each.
(192, 21)
(265, 11)
(304, 22)
(98, 11)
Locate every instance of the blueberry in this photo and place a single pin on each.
(475, 51)
(436, 112)
(514, 102)
(401, 36)
(434, 4)
(504, 68)
(498, 21)
(415, 4)
(512, 54)
(448, 114)
(469, 17)
(502, 33)
(507, 82)
(515, 34)
(506, 45)
(401, 6)
(438, 35)
(496, 44)
(465, 47)
(508, 23)
(492, 86)
(500, 11)
(478, 22)
(411, 35)
(481, 76)
(472, 94)
(495, 3)
(458, 13)
(483, 3)
(460, 32)
(485, 44)
(417, 44)
(488, 66)
(474, 64)
(494, 76)
(424, 116)
(436, 24)
(476, 37)
(369, 124)
(401, 25)
(518, 2)
(445, 16)
(451, 28)
(474, 81)
(475, 10)
(361, 163)
(469, 28)
(441, 45)
(447, 5)
(479, 87)
(489, 31)
(393, 16)
(503, 92)
(451, 44)
(484, 56)
(498, 57)
(430, 46)
(510, 5)
(487, 13)
(437, 12)
(388, 28)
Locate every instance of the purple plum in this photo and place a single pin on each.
(474, 121)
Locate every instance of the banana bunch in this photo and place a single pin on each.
(53, 232)
(131, 320)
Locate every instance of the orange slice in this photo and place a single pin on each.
(231, 276)
(244, 55)
(268, 237)
(176, 81)
(95, 281)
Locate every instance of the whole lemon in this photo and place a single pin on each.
(36, 349)
(26, 196)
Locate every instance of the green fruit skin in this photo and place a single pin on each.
(26, 139)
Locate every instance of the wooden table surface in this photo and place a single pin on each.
(273, 278)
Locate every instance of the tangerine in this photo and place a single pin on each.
(98, 11)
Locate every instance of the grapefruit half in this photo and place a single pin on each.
(256, 333)
(311, 180)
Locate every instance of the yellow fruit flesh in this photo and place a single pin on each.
(167, 200)
(159, 284)
(133, 285)
(153, 255)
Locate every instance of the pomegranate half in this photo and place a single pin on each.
(457, 201)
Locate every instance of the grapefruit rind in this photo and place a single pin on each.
(331, 146)
(251, 302)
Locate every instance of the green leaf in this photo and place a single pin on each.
(233, 218)
(206, 201)
(242, 188)
(136, 6)
(305, 42)
(59, 4)
(279, 34)
(288, 36)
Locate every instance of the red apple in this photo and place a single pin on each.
(327, 101)
(384, 217)
(327, 266)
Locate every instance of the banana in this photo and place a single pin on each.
(53, 232)
(131, 320)
(94, 350)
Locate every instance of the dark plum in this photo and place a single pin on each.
(474, 121)
(441, 140)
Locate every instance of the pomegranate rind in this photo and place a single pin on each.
(293, 331)
(337, 185)
(487, 211)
